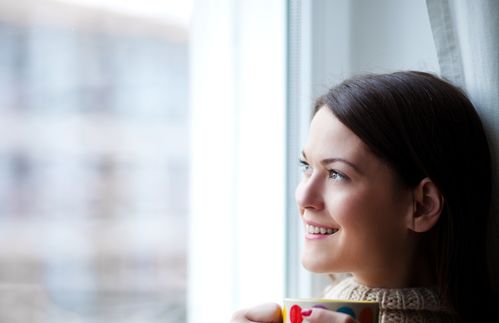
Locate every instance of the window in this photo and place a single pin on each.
(94, 160)
(238, 131)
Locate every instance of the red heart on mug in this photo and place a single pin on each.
(295, 314)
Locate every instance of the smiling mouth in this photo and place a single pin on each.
(312, 229)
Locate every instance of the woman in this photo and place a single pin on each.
(396, 191)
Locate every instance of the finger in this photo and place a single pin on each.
(319, 315)
(265, 313)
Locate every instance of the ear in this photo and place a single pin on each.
(427, 206)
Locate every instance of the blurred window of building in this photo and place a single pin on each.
(94, 160)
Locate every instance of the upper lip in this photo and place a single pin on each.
(316, 224)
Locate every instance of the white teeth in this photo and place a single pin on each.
(319, 230)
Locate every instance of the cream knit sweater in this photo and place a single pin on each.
(396, 305)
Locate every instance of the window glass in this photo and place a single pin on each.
(94, 156)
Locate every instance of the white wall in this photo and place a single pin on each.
(361, 36)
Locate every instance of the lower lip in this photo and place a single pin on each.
(310, 236)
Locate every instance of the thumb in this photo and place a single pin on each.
(319, 315)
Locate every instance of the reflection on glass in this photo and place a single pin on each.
(93, 164)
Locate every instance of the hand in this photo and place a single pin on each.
(265, 313)
(319, 315)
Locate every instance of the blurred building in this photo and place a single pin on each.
(94, 164)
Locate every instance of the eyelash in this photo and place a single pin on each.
(304, 166)
(337, 176)
(333, 174)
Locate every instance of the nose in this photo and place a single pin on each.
(308, 194)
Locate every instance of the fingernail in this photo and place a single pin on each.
(306, 313)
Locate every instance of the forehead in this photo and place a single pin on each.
(327, 135)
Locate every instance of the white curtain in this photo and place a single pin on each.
(466, 35)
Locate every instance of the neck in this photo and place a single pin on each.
(401, 272)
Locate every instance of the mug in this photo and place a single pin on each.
(363, 311)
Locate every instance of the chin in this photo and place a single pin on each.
(318, 266)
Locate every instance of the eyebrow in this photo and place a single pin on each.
(333, 160)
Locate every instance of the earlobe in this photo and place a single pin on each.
(428, 203)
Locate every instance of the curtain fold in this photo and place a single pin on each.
(466, 35)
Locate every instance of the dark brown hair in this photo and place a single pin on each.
(422, 126)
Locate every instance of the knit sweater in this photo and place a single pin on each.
(396, 305)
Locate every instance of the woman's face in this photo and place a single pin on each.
(353, 208)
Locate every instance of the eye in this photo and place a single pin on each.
(305, 167)
(336, 176)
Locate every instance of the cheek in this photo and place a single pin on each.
(348, 209)
(363, 210)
